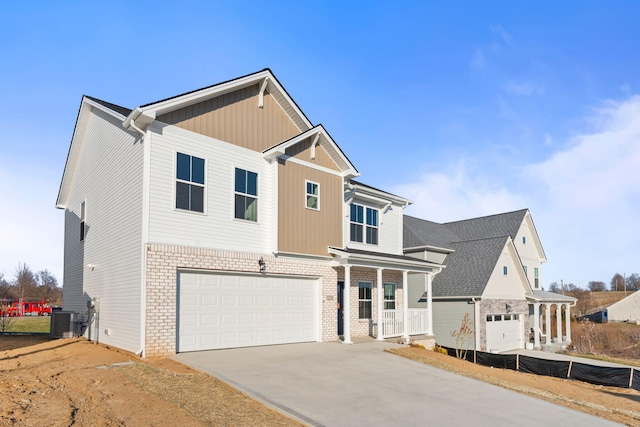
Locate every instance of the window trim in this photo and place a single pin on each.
(384, 295)
(307, 195)
(369, 285)
(524, 240)
(505, 270)
(176, 180)
(83, 220)
(365, 226)
(246, 195)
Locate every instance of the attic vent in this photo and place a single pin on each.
(63, 324)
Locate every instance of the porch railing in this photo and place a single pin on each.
(393, 322)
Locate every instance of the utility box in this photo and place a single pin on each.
(64, 324)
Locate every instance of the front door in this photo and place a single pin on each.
(340, 313)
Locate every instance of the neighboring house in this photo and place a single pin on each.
(224, 218)
(625, 310)
(492, 274)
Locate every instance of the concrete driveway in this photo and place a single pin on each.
(334, 384)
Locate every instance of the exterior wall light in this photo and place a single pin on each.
(263, 265)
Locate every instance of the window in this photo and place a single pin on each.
(189, 183)
(246, 195)
(389, 296)
(504, 270)
(525, 270)
(82, 221)
(536, 282)
(364, 219)
(313, 195)
(364, 300)
(524, 240)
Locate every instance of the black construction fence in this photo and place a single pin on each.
(601, 375)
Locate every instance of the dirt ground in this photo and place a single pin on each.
(616, 404)
(73, 382)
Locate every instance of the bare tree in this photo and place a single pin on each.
(633, 282)
(25, 281)
(47, 285)
(554, 287)
(617, 282)
(597, 286)
(463, 337)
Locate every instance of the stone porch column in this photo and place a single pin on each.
(346, 301)
(559, 322)
(536, 325)
(567, 332)
(380, 331)
(429, 302)
(547, 325)
(405, 304)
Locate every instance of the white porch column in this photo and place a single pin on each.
(346, 301)
(559, 322)
(567, 325)
(547, 323)
(429, 302)
(405, 304)
(380, 332)
(536, 325)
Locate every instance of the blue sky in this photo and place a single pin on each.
(466, 109)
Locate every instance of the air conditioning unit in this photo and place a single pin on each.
(64, 324)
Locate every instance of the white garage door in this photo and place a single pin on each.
(225, 311)
(504, 332)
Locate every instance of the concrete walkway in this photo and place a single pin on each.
(335, 384)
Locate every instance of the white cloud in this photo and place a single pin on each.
(477, 59)
(457, 194)
(523, 89)
(585, 199)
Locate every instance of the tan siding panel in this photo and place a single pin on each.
(236, 118)
(302, 151)
(302, 230)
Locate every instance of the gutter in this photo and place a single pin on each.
(130, 122)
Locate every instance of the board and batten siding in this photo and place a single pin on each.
(302, 151)
(389, 228)
(236, 118)
(302, 230)
(109, 177)
(447, 317)
(216, 227)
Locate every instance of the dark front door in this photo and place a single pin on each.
(340, 313)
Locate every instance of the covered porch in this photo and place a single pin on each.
(544, 336)
(373, 295)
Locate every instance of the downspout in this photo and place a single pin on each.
(476, 322)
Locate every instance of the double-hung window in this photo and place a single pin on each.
(389, 296)
(246, 195)
(364, 300)
(363, 224)
(313, 195)
(536, 279)
(189, 183)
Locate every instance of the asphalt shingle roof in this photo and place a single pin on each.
(504, 224)
(118, 109)
(477, 244)
(469, 267)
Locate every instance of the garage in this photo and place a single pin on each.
(219, 310)
(504, 332)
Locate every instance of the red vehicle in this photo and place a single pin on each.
(19, 309)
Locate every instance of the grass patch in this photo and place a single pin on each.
(27, 324)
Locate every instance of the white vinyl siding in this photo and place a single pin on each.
(217, 227)
(109, 177)
(389, 229)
